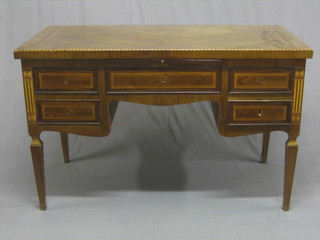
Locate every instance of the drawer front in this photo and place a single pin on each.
(67, 111)
(269, 113)
(261, 80)
(66, 80)
(162, 81)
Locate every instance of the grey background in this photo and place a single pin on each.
(163, 172)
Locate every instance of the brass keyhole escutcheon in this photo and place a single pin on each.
(261, 80)
(66, 80)
(68, 112)
(260, 113)
(163, 80)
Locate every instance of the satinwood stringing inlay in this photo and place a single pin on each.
(297, 96)
(29, 95)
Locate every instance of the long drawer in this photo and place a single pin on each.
(66, 111)
(259, 112)
(142, 81)
(261, 80)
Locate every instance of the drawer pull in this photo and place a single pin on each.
(66, 81)
(261, 80)
(68, 112)
(163, 80)
(259, 113)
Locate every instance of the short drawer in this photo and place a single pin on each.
(142, 81)
(261, 80)
(66, 80)
(253, 112)
(65, 111)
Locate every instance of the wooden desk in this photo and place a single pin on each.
(74, 77)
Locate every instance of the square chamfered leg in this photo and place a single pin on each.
(290, 164)
(65, 147)
(38, 166)
(265, 147)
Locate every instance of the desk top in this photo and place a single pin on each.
(160, 41)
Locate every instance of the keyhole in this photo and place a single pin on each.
(163, 80)
(261, 79)
(66, 80)
(260, 113)
(68, 112)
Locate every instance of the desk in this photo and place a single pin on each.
(74, 77)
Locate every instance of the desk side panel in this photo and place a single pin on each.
(101, 126)
(256, 97)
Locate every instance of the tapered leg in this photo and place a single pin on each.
(265, 147)
(290, 163)
(65, 147)
(38, 166)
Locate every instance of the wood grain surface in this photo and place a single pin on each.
(164, 41)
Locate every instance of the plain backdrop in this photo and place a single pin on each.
(163, 172)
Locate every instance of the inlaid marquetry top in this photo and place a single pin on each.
(171, 41)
